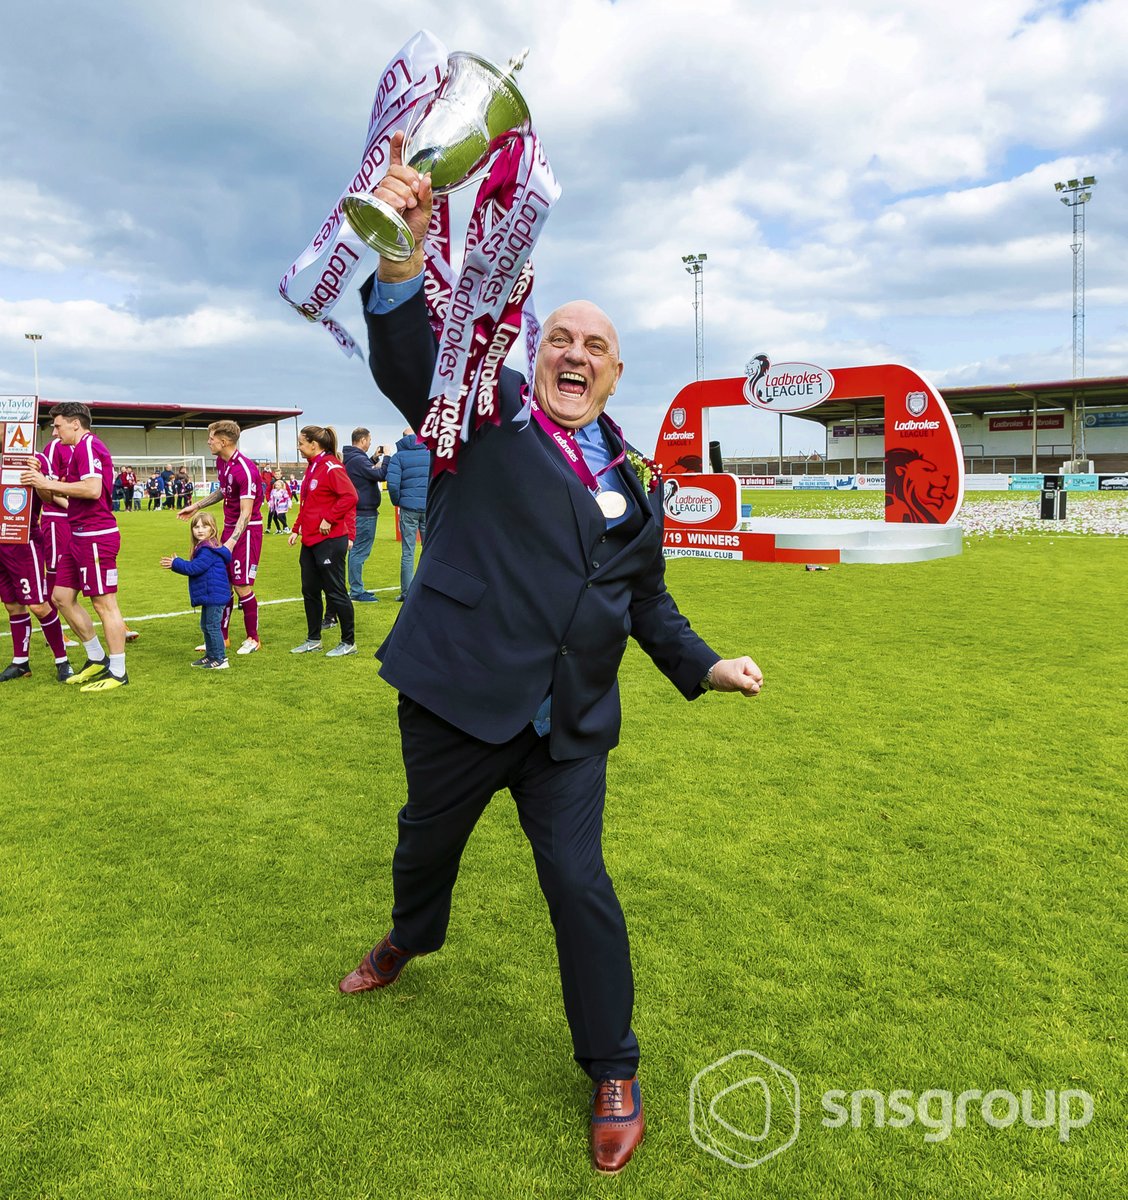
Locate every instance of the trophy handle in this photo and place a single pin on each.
(379, 226)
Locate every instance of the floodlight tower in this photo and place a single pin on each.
(695, 266)
(35, 339)
(1075, 194)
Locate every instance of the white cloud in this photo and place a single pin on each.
(87, 326)
(869, 181)
(40, 232)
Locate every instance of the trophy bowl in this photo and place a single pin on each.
(450, 138)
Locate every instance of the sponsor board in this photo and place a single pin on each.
(871, 429)
(757, 480)
(1082, 483)
(1100, 420)
(867, 482)
(1114, 483)
(17, 441)
(815, 483)
(1026, 483)
(1049, 421)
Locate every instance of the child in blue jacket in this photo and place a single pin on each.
(208, 586)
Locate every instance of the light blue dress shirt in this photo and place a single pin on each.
(385, 297)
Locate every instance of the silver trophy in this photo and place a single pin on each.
(450, 138)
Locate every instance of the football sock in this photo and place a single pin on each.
(117, 664)
(225, 623)
(94, 651)
(21, 637)
(249, 605)
(53, 631)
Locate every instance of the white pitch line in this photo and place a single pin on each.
(191, 612)
(188, 612)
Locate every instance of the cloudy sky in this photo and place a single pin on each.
(872, 181)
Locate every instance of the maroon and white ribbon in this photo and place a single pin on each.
(491, 297)
(476, 315)
(567, 444)
(410, 78)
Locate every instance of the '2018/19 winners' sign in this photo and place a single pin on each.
(17, 442)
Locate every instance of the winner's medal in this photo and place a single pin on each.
(611, 504)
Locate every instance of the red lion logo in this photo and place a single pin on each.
(915, 490)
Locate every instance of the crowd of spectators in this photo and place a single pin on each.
(171, 488)
(167, 488)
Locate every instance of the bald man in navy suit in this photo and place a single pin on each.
(507, 650)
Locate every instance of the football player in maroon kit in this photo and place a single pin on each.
(89, 564)
(240, 489)
(24, 590)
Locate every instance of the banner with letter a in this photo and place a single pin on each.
(17, 442)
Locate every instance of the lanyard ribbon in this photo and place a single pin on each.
(412, 77)
(491, 299)
(566, 442)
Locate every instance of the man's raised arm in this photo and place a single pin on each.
(401, 345)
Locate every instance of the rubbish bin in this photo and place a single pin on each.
(1053, 504)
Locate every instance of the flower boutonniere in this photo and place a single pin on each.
(645, 468)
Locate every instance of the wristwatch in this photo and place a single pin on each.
(706, 684)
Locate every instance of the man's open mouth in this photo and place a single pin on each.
(569, 383)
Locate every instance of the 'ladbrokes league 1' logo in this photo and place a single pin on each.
(690, 505)
(786, 387)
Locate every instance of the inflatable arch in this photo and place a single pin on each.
(924, 478)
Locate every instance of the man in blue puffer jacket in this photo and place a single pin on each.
(366, 474)
(408, 473)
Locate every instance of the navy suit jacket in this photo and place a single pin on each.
(520, 589)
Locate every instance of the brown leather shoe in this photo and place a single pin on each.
(617, 1124)
(378, 968)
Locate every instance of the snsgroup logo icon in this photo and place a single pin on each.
(744, 1108)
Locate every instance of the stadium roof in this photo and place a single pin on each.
(139, 414)
(1094, 394)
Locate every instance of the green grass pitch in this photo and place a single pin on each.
(901, 867)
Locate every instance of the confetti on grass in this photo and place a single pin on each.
(1003, 514)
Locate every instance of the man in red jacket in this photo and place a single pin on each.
(326, 524)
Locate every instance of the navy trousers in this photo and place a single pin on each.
(451, 777)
